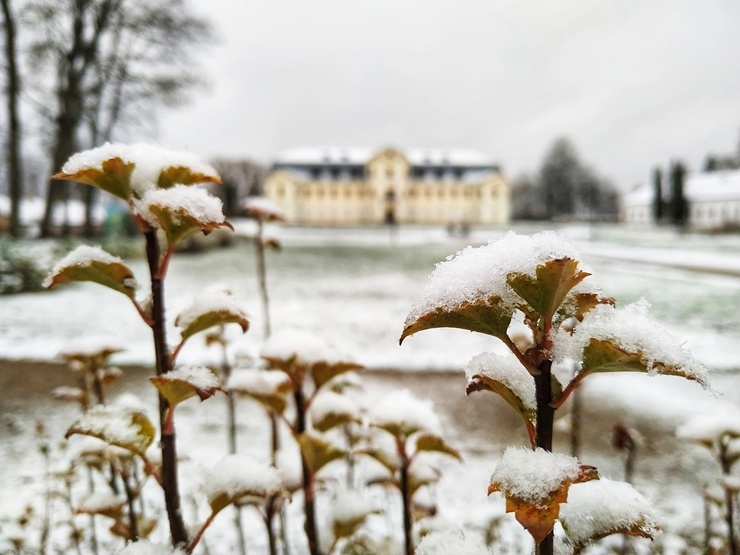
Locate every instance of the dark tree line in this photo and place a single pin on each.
(564, 188)
(96, 70)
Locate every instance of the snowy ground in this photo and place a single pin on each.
(356, 287)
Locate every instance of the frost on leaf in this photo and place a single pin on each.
(113, 176)
(121, 427)
(505, 376)
(535, 483)
(401, 414)
(350, 510)
(216, 308)
(185, 382)
(318, 452)
(182, 211)
(240, 479)
(626, 340)
(330, 409)
(545, 291)
(603, 507)
(268, 387)
(87, 263)
(434, 443)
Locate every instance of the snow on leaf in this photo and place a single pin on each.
(487, 315)
(239, 478)
(350, 510)
(269, 387)
(318, 451)
(710, 430)
(611, 340)
(434, 443)
(144, 526)
(603, 507)
(422, 473)
(447, 542)
(505, 376)
(185, 382)
(113, 176)
(87, 263)
(145, 547)
(578, 303)
(535, 483)
(263, 209)
(330, 409)
(121, 427)
(101, 503)
(172, 176)
(182, 211)
(215, 308)
(401, 414)
(553, 280)
(66, 393)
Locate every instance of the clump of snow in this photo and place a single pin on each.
(84, 255)
(100, 501)
(508, 371)
(533, 476)
(241, 476)
(477, 273)
(424, 472)
(149, 160)
(289, 469)
(600, 507)
(145, 547)
(711, 428)
(449, 542)
(307, 348)
(193, 201)
(113, 424)
(257, 382)
(327, 403)
(634, 331)
(197, 376)
(401, 411)
(210, 301)
(350, 507)
(261, 208)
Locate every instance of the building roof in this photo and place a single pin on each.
(330, 155)
(699, 187)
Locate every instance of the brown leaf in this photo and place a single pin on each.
(114, 177)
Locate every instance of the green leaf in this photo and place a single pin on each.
(178, 385)
(318, 452)
(213, 318)
(431, 442)
(114, 177)
(183, 175)
(554, 280)
(322, 372)
(114, 275)
(579, 304)
(387, 459)
(488, 316)
(131, 430)
(331, 420)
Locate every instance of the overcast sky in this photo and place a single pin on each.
(633, 83)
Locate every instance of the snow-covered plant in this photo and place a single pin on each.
(539, 281)
(415, 428)
(719, 432)
(90, 362)
(310, 365)
(160, 188)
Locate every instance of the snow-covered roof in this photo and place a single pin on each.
(699, 187)
(330, 155)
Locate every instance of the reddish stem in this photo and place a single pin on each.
(557, 403)
(196, 539)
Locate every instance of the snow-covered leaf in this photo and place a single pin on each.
(577, 304)
(422, 473)
(113, 176)
(325, 371)
(184, 175)
(553, 280)
(603, 507)
(117, 426)
(269, 387)
(350, 511)
(401, 414)
(214, 309)
(535, 483)
(144, 526)
(431, 442)
(102, 503)
(264, 209)
(187, 381)
(329, 410)
(87, 263)
(487, 315)
(240, 479)
(318, 452)
(66, 393)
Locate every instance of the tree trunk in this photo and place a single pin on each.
(15, 175)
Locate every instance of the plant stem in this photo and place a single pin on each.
(729, 497)
(163, 365)
(309, 505)
(133, 523)
(262, 276)
(405, 496)
(192, 545)
(269, 517)
(545, 420)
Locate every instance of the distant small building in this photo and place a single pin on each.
(713, 201)
(360, 186)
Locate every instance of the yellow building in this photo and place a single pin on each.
(357, 186)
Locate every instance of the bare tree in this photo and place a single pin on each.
(241, 178)
(113, 63)
(13, 90)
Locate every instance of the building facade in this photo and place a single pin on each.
(350, 186)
